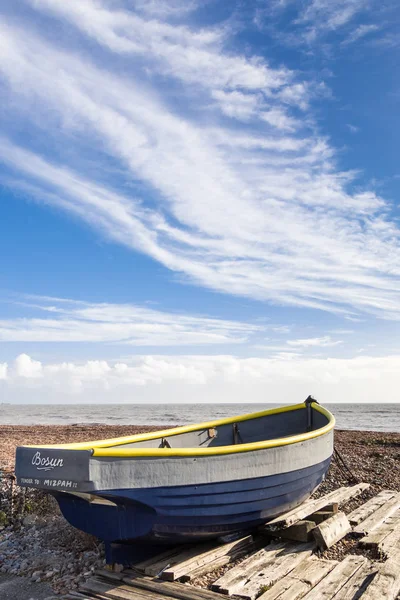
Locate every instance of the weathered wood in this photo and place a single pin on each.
(179, 591)
(339, 496)
(344, 494)
(153, 566)
(183, 567)
(331, 531)
(283, 564)
(242, 572)
(78, 596)
(378, 535)
(110, 575)
(390, 544)
(357, 583)
(222, 561)
(169, 589)
(119, 592)
(365, 510)
(299, 581)
(301, 532)
(378, 517)
(386, 584)
(216, 564)
(336, 579)
(92, 595)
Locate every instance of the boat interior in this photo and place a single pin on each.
(273, 424)
(237, 431)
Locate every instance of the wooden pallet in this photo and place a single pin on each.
(275, 569)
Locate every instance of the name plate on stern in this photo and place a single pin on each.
(48, 468)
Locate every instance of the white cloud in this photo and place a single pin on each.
(277, 117)
(25, 366)
(193, 56)
(270, 217)
(360, 32)
(281, 329)
(165, 8)
(314, 20)
(236, 104)
(69, 321)
(352, 128)
(323, 16)
(285, 378)
(322, 342)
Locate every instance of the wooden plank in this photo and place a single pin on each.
(377, 536)
(301, 532)
(179, 591)
(156, 564)
(283, 564)
(163, 556)
(183, 567)
(390, 544)
(118, 592)
(378, 517)
(222, 561)
(344, 494)
(331, 531)
(217, 564)
(357, 583)
(336, 579)
(297, 583)
(386, 584)
(92, 595)
(340, 496)
(243, 571)
(365, 510)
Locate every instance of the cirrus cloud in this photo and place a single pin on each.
(270, 216)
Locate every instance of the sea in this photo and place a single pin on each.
(372, 417)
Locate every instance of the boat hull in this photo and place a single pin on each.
(191, 512)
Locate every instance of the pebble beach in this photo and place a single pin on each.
(40, 545)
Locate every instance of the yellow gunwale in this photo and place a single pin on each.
(102, 448)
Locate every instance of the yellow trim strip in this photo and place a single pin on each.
(102, 448)
(153, 435)
(220, 450)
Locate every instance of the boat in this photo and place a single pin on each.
(189, 483)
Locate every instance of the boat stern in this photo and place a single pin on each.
(53, 469)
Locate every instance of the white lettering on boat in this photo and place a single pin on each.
(59, 483)
(45, 463)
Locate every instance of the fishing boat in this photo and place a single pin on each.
(189, 483)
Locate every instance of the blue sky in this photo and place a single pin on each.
(199, 200)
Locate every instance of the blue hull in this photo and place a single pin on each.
(192, 512)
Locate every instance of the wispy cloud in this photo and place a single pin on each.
(321, 342)
(196, 57)
(360, 32)
(322, 16)
(66, 320)
(256, 209)
(352, 128)
(313, 21)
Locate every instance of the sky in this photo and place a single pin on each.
(199, 201)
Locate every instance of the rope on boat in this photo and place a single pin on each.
(343, 467)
